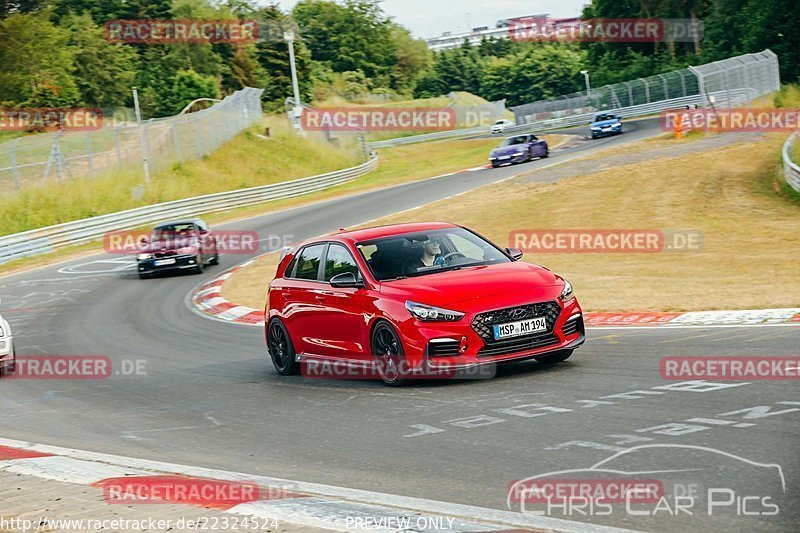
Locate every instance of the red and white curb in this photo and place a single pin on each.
(207, 299)
(297, 502)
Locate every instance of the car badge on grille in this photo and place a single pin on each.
(518, 313)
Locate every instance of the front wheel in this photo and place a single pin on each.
(556, 357)
(389, 357)
(546, 154)
(281, 350)
(215, 259)
(200, 266)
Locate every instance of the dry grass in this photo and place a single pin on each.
(733, 195)
(249, 286)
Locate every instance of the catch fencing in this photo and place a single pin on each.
(121, 143)
(737, 81)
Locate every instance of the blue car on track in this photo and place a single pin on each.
(605, 124)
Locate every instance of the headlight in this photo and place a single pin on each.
(595, 127)
(2, 331)
(618, 125)
(517, 154)
(428, 313)
(567, 293)
(143, 257)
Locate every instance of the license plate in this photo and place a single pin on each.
(523, 327)
(162, 262)
(606, 129)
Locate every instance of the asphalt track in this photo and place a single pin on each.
(210, 397)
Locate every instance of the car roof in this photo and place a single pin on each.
(176, 222)
(368, 234)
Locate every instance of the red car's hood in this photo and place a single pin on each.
(479, 288)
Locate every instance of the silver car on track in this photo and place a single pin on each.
(7, 355)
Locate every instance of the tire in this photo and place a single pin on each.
(546, 154)
(8, 370)
(556, 357)
(144, 276)
(200, 266)
(495, 166)
(387, 349)
(214, 260)
(281, 349)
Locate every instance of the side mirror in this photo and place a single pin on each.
(347, 280)
(515, 253)
(143, 240)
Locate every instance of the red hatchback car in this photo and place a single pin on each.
(416, 299)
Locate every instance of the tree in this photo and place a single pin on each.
(413, 59)
(542, 71)
(272, 53)
(352, 36)
(36, 63)
(107, 70)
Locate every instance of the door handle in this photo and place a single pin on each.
(320, 298)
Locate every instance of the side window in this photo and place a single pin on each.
(339, 261)
(308, 262)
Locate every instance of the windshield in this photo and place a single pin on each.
(601, 118)
(420, 254)
(172, 231)
(514, 140)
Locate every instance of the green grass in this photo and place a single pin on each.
(247, 161)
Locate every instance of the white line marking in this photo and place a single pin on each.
(464, 512)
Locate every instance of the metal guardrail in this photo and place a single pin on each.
(791, 169)
(45, 240)
(737, 97)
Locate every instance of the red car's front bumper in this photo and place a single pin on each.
(429, 345)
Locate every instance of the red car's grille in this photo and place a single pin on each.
(482, 324)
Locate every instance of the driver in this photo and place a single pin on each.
(431, 253)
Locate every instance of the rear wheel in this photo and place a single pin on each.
(555, 357)
(389, 357)
(281, 350)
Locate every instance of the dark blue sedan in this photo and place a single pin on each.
(518, 149)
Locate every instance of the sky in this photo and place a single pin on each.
(430, 18)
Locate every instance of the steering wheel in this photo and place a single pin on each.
(451, 255)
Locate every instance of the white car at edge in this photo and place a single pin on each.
(7, 354)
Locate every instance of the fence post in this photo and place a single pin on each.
(89, 153)
(14, 169)
(176, 139)
(666, 86)
(630, 92)
(646, 90)
(117, 150)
